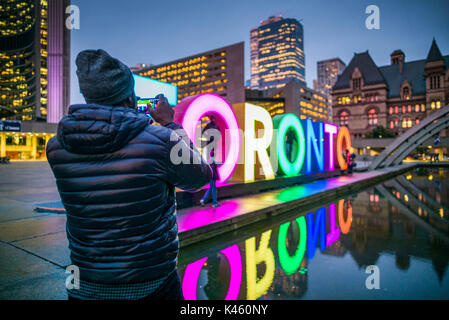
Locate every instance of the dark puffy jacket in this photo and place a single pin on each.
(116, 181)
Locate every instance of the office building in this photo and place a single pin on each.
(277, 53)
(218, 71)
(294, 97)
(35, 73)
(327, 74)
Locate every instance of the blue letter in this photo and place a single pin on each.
(316, 143)
(312, 231)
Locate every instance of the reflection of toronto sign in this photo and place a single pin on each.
(314, 230)
(252, 139)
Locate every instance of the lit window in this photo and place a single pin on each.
(406, 93)
(344, 117)
(372, 117)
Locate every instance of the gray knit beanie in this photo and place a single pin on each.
(102, 78)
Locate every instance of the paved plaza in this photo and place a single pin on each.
(34, 249)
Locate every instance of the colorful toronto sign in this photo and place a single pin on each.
(251, 138)
(290, 246)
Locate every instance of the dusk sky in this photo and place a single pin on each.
(145, 31)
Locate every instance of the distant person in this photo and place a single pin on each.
(117, 182)
(351, 164)
(212, 191)
(211, 131)
(347, 157)
(350, 161)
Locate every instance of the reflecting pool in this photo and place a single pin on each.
(390, 241)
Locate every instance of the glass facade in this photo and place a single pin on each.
(17, 67)
(27, 27)
(277, 53)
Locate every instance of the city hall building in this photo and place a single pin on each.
(34, 75)
(396, 96)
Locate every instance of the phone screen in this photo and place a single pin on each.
(144, 105)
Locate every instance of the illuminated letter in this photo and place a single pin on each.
(312, 231)
(331, 130)
(317, 144)
(192, 273)
(232, 253)
(344, 225)
(190, 279)
(252, 144)
(211, 103)
(334, 233)
(256, 288)
(282, 123)
(343, 134)
(288, 263)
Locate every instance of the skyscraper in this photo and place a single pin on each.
(34, 75)
(34, 60)
(277, 53)
(327, 73)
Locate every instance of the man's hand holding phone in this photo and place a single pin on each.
(163, 112)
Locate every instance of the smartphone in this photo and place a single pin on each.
(145, 105)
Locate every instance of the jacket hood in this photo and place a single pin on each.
(93, 128)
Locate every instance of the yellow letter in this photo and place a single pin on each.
(252, 144)
(256, 288)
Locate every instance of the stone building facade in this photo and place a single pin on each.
(396, 96)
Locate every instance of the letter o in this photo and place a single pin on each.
(283, 123)
(343, 134)
(206, 103)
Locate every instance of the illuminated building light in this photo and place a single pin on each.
(334, 233)
(211, 103)
(343, 135)
(345, 225)
(314, 229)
(264, 254)
(331, 130)
(282, 123)
(290, 264)
(259, 145)
(314, 143)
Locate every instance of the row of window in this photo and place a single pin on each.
(406, 122)
(407, 109)
(357, 99)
